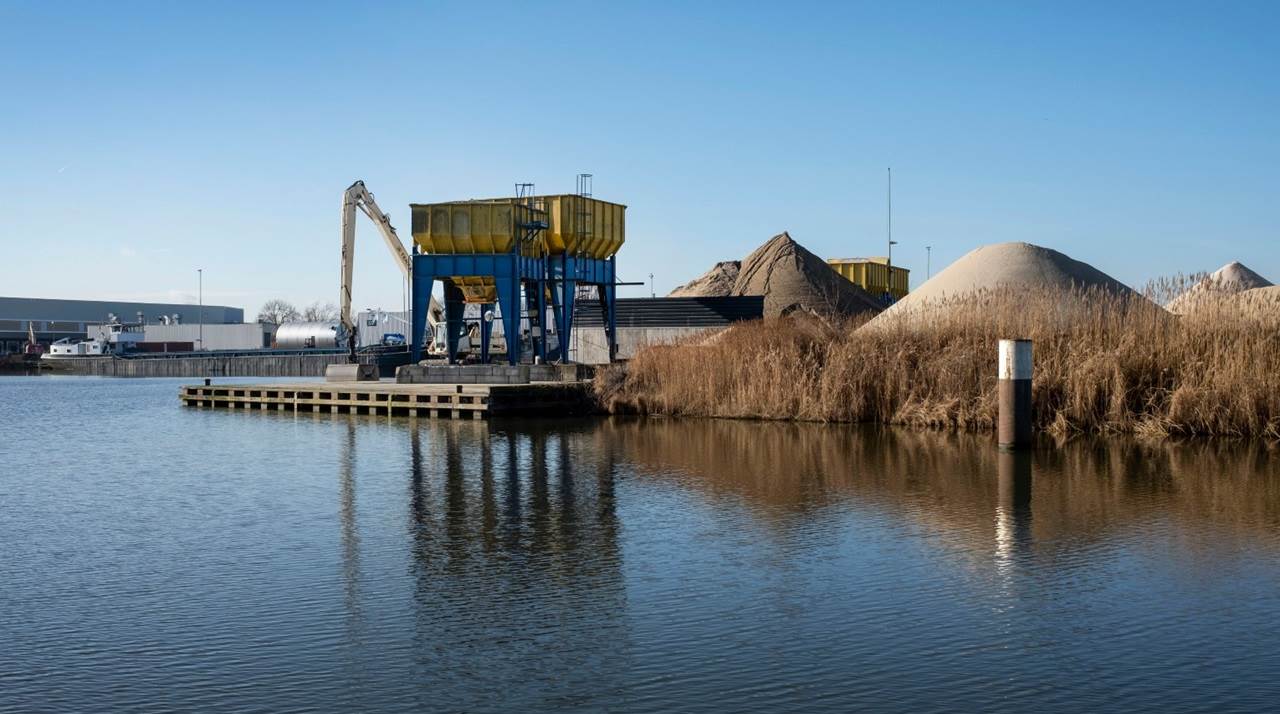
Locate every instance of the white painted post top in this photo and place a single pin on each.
(1015, 359)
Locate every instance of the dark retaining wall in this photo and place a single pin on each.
(276, 365)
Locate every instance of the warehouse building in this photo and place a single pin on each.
(55, 319)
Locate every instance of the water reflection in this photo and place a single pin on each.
(619, 565)
(765, 558)
(514, 533)
(350, 533)
(1013, 506)
(1084, 490)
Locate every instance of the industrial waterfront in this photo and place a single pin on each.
(161, 557)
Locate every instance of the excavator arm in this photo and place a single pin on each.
(358, 196)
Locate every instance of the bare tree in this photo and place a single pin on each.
(318, 312)
(277, 312)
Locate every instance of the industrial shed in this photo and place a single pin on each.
(648, 321)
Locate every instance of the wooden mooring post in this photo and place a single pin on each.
(1014, 422)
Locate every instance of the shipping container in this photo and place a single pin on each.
(874, 275)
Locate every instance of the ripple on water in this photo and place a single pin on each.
(161, 558)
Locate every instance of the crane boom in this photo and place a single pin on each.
(358, 196)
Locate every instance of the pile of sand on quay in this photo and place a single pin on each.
(1226, 282)
(1001, 269)
(792, 279)
(717, 282)
(1259, 307)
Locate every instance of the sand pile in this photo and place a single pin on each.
(998, 266)
(1261, 305)
(1267, 298)
(792, 279)
(1228, 280)
(717, 282)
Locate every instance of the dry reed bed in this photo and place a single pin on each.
(1104, 363)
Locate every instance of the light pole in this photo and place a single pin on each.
(928, 262)
(888, 261)
(892, 242)
(200, 339)
(651, 293)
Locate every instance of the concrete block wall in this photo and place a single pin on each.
(594, 349)
(490, 373)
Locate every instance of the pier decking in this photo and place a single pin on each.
(448, 401)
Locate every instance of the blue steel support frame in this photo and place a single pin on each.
(453, 314)
(512, 272)
(508, 270)
(566, 273)
(540, 304)
(486, 332)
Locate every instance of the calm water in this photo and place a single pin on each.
(160, 558)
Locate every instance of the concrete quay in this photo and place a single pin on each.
(448, 401)
(430, 373)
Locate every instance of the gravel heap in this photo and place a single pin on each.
(1003, 265)
(1260, 304)
(1230, 279)
(791, 278)
(717, 282)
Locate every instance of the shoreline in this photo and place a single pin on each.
(1104, 364)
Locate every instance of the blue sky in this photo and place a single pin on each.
(144, 140)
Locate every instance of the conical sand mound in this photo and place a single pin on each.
(1230, 279)
(791, 278)
(1258, 304)
(1001, 266)
(717, 282)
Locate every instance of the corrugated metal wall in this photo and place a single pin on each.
(673, 312)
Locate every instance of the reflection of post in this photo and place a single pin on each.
(1013, 505)
(1015, 394)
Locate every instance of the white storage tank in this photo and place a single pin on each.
(310, 336)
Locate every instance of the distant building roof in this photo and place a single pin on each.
(21, 308)
(55, 319)
(673, 312)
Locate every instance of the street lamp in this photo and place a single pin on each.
(888, 261)
(892, 242)
(200, 339)
(928, 262)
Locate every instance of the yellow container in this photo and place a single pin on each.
(467, 227)
(874, 275)
(576, 225)
(584, 226)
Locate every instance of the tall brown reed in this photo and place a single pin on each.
(1104, 363)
